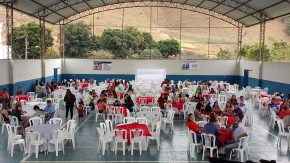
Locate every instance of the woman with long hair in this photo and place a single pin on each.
(181, 97)
(130, 90)
(161, 101)
(198, 112)
(17, 113)
(228, 109)
(70, 100)
(193, 127)
(216, 109)
(5, 111)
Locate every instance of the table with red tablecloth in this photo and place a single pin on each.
(224, 137)
(148, 99)
(134, 125)
(230, 117)
(265, 95)
(205, 94)
(23, 97)
(84, 85)
(178, 105)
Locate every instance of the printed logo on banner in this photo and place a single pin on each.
(104, 66)
(190, 65)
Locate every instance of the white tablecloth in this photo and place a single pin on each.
(147, 113)
(36, 103)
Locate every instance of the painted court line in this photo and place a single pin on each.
(29, 155)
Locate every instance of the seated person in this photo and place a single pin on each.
(197, 112)
(102, 103)
(238, 111)
(219, 88)
(5, 112)
(211, 91)
(194, 127)
(129, 103)
(161, 101)
(199, 98)
(49, 111)
(243, 103)
(216, 109)
(198, 90)
(233, 99)
(238, 133)
(211, 128)
(19, 91)
(181, 97)
(17, 113)
(174, 98)
(273, 105)
(284, 113)
(192, 99)
(228, 109)
(284, 105)
(38, 112)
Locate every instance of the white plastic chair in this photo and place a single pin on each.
(103, 126)
(142, 120)
(98, 113)
(154, 120)
(57, 139)
(273, 119)
(192, 143)
(243, 147)
(205, 117)
(143, 101)
(110, 112)
(103, 140)
(136, 136)
(14, 123)
(282, 133)
(35, 121)
(201, 123)
(120, 137)
(34, 139)
(55, 121)
(155, 108)
(209, 142)
(222, 98)
(119, 114)
(189, 107)
(167, 107)
(3, 123)
(70, 134)
(38, 100)
(129, 120)
(109, 128)
(13, 140)
(223, 121)
(156, 135)
(145, 108)
(169, 120)
(263, 106)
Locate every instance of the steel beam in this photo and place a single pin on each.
(42, 36)
(61, 40)
(240, 40)
(151, 4)
(9, 29)
(262, 41)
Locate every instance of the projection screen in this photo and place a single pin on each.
(153, 75)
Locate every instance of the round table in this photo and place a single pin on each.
(36, 103)
(147, 113)
(43, 129)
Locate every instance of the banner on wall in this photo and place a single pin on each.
(104, 66)
(190, 65)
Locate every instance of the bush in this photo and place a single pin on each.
(155, 54)
(225, 54)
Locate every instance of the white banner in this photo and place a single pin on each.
(190, 65)
(153, 75)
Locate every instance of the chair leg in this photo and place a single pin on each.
(104, 147)
(132, 147)
(56, 149)
(123, 148)
(12, 149)
(116, 148)
(203, 153)
(62, 147)
(36, 151)
(140, 148)
(73, 142)
(193, 150)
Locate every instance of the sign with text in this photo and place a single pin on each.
(190, 65)
(104, 66)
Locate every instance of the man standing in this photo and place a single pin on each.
(49, 111)
(80, 97)
(243, 104)
(238, 111)
(238, 134)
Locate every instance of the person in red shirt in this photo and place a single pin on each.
(194, 127)
(161, 101)
(80, 111)
(284, 113)
(165, 81)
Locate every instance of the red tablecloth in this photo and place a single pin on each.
(84, 85)
(278, 102)
(178, 105)
(204, 94)
(224, 136)
(283, 113)
(149, 99)
(121, 95)
(165, 92)
(23, 97)
(134, 125)
(265, 95)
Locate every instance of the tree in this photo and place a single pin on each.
(168, 47)
(31, 31)
(150, 54)
(95, 42)
(252, 52)
(121, 44)
(77, 39)
(147, 42)
(224, 54)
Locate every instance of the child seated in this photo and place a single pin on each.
(80, 111)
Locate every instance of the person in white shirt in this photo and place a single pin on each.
(121, 86)
(243, 103)
(80, 97)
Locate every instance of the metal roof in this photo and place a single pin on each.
(246, 12)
